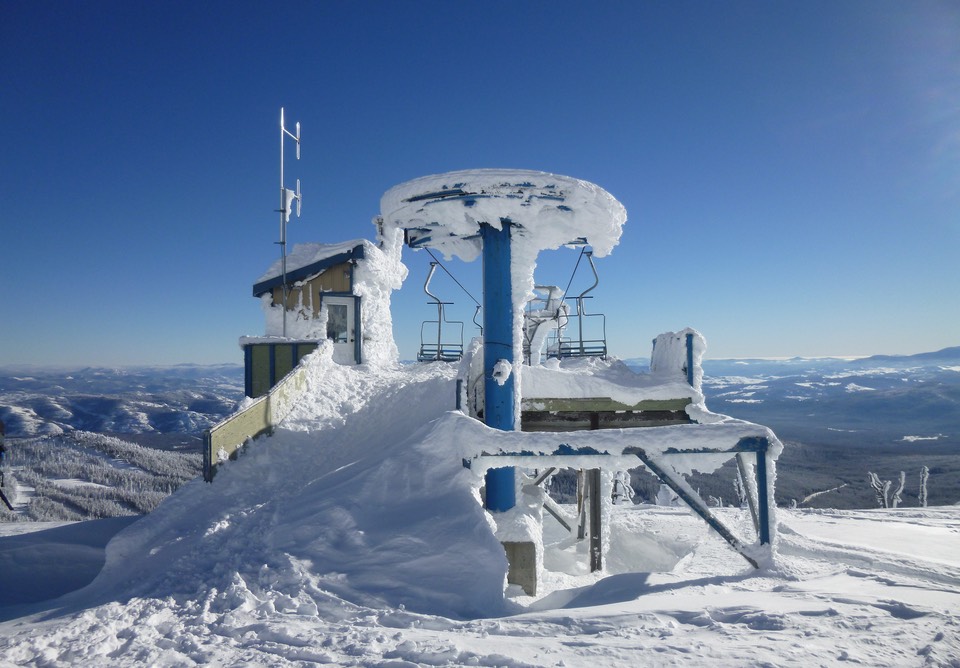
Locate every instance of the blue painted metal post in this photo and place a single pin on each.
(690, 359)
(763, 504)
(248, 370)
(498, 399)
(357, 330)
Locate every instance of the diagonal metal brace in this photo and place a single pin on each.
(5, 500)
(695, 503)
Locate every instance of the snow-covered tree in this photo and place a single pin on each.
(896, 498)
(881, 487)
(622, 489)
(924, 474)
(667, 497)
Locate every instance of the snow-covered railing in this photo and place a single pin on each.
(221, 442)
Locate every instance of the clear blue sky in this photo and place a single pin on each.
(791, 170)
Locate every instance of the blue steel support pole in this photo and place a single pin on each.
(248, 370)
(763, 494)
(357, 331)
(499, 402)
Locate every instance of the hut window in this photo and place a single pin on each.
(337, 323)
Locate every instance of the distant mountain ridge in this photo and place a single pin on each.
(951, 354)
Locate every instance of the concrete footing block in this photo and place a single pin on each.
(522, 557)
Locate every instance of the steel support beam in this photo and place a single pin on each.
(499, 397)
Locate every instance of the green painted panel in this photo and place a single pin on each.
(304, 349)
(602, 404)
(260, 370)
(283, 360)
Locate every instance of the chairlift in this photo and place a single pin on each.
(436, 345)
(566, 346)
(544, 315)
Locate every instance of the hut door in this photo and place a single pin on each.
(341, 328)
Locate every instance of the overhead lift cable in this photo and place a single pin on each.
(572, 275)
(437, 260)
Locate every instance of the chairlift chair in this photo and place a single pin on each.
(565, 346)
(436, 345)
(545, 314)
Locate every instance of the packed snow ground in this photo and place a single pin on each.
(351, 538)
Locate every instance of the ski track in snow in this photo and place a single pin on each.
(348, 539)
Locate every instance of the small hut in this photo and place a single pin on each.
(335, 292)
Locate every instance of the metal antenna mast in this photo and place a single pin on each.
(287, 198)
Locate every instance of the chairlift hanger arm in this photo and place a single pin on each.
(475, 314)
(426, 285)
(596, 277)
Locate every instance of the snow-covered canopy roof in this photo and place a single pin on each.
(306, 260)
(444, 211)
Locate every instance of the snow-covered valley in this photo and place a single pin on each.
(183, 399)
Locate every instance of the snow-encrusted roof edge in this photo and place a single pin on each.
(315, 258)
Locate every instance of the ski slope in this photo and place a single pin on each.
(354, 536)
